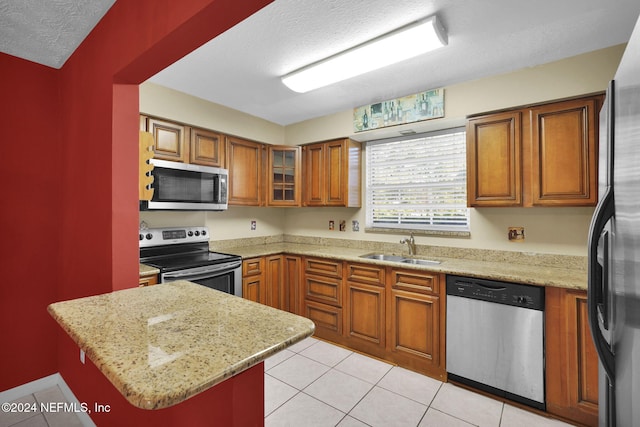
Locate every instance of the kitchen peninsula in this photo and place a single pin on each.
(190, 353)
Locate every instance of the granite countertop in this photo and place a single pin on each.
(495, 267)
(146, 270)
(160, 345)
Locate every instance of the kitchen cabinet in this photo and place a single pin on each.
(274, 280)
(245, 164)
(564, 153)
(182, 143)
(365, 309)
(416, 321)
(332, 173)
(169, 138)
(274, 284)
(571, 358)
(292, 278)
(253, 284)
(284, 176)
(148, 280)
(206, 148)
(494, 153)
(543, 155)
(323, 294)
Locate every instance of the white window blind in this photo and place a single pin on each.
(418, 183)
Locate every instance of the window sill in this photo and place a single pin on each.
(433, 233)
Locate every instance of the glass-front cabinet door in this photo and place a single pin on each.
(284, 176)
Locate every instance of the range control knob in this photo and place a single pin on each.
(204, 232)
(190, 233)
(149, 236)
(197, 233)
(141, 236)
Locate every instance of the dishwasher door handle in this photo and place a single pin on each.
(483, 286)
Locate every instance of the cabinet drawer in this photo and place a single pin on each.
(148, 280)
(323, 267)
(326, 317)
(366, 273)
(323, 289)
(413, 281)
(252, 266)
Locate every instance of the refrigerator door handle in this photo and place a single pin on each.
(597, 287)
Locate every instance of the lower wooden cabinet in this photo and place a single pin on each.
(571, 357)
(322, 296)
(416, 322)
(273, 280)
(253, 285)
(148, 280)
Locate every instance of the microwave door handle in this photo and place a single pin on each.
(596, 285)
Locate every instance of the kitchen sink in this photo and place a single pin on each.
(384, 257)
(396, 258)
(420, 261)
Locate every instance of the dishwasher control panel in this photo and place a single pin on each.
(515, 294)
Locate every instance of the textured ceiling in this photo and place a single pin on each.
(241, 68)
(47, 31)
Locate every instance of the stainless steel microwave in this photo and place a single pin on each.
(187, 187)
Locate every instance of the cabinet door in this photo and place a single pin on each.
(169, 140)
(206, 148)
(564, 149)
(253, 284)
(415, 322)
(244, 161)
(572, 361)
(293, 283)
(314, 175)
(273, 283)
(365, 313)
(283, 176)
(336, 164)
(494, 160)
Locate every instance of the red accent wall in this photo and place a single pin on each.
(69, 213)
(30, 217)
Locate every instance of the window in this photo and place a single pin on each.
(418, 182)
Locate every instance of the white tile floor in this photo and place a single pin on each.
(315, 383)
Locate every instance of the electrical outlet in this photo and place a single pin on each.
(516, 234)
(253, 225)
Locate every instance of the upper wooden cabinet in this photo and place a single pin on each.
(181, 143)
(245, 164)
(545, 155)
(206, 148)
(283, 180)
(494, 160)
(332, 173)
(564, 153)
(169, 139)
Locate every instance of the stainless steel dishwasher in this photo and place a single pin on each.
(495, 338)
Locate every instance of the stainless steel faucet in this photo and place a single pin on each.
(411, 242)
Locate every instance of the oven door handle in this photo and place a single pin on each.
(199, 273)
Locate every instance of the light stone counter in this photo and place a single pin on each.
(160, 345)
(542, 270)
(146, 270)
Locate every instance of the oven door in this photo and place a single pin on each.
(225, 277)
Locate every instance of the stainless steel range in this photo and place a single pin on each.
(182, 253)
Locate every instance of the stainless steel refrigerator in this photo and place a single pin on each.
(614, 247)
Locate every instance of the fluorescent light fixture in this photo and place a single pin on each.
(404, 43)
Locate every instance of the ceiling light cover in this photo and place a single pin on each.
(404, 43)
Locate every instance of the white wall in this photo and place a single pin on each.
(547, 230)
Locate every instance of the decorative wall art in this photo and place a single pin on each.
(408, 109)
